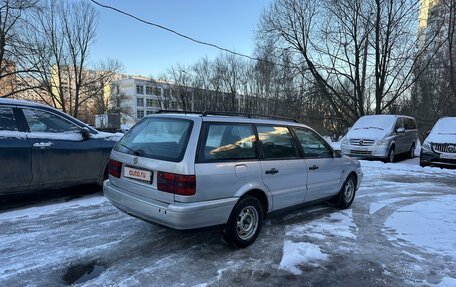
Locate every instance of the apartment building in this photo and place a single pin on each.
(145, 96)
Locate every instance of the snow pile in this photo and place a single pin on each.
(427, 224)
(447, 282)
(403, 168)
(338, 224)
(295, 253)
(298, 253)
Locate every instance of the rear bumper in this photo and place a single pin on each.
(176, 215)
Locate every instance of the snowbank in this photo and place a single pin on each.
(429, 224)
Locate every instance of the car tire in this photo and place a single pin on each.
(347, 193)
(423, 164)
(412, 151)
(391, 155)
(244, 223)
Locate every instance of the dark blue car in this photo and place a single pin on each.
(41, 148)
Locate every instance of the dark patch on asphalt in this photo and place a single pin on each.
(450, 180)
(81, 273)
(49, 196)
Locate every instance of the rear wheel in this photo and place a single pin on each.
(245, 222)
(347, 193)
(412, 151)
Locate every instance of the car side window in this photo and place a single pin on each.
(228, 142)
(277, 142)
(398, 124)
(45, 122)
(409, 124)
(312, 145)
(7, 120)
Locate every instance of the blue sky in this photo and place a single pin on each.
(149, 51)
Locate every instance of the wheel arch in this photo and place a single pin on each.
(261, 196)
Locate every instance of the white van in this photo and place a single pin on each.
(381, 136)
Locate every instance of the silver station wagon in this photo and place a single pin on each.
(189, 171)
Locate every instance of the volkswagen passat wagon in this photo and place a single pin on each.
(382, 137)
(190, 171)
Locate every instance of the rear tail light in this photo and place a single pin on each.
(176, 183)
(114, 168)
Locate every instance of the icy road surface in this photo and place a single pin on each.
(400, 231)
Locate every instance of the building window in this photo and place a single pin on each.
(140, 102)
(152, 103)
(150, 112)
(166, 92)
(174, 105)
(139, 89)
(148, 90)
(139, 114)
(166, 104)
(158, 91)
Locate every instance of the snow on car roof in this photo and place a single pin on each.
(22, 103)
(38, 105)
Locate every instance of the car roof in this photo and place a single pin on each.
(24, 103)
(389, 116)
(229, 119)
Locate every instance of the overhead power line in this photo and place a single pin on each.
(182, 35)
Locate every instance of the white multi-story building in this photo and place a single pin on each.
(145, 96)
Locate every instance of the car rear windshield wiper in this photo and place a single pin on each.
(135, 152)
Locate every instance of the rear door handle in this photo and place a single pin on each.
(271, 171)
(42, 144)
(314, 167)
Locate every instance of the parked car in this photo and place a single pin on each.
(439, 148)
(41, 148)
(193, 171)
(381, 136)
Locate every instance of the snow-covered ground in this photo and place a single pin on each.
(400, 231)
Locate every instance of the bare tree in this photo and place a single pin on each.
(360, 54)
(66, 30)
(13, 45)
(450, 65)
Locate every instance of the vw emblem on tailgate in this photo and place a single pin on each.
(135, 160)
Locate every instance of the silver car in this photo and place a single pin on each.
(190, 171)
(382, 137)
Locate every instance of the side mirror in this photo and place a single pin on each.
(400, 130)
(337, 154)
(85, 133)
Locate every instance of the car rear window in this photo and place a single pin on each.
(157, 138)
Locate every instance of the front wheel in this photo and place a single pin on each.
(245, 222)
(391, 155)
(347, 193)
